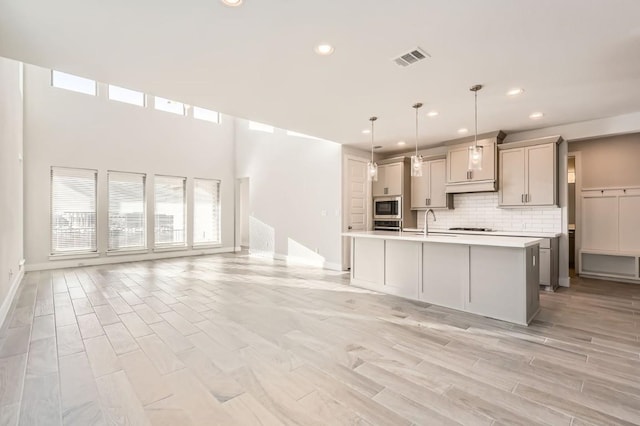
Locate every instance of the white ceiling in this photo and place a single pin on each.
(577, 60)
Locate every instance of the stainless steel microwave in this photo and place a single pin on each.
(387, 208)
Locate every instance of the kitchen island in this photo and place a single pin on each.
(493, 276)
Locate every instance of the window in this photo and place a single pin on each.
(260, 127)
(170, 211)
(206, 114)
(73, 210)
(127, 220)
(168, 105)
(206, 211)
(73, 82)
(127, 96)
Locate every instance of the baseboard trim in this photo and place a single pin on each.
(297, 261)
(104, 260)
(13, 289)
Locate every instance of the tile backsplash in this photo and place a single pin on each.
(480, 210)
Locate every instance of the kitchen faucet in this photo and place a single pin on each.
(426, 221)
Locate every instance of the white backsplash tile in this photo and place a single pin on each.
(480, 210)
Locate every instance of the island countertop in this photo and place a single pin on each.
(475, 240)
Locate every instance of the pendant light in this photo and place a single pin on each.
(416, 160)
(475, 151)
(372, 167)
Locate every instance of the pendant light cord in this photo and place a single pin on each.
(372, 119)
(417, 131)
(476, 117)
(417, 107)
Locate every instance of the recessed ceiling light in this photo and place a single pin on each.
(463, 130)
(536, 116)
(515, 91)
(432, 114)
(366, 131)
(231, 3)
(402, 143)
(324, 49)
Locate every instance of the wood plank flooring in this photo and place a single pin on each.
(231, 339)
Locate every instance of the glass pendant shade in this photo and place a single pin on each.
(416, 165)
(475, 157)
(372, 171)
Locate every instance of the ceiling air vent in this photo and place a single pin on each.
(411, 57)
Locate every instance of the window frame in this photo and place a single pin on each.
(170, 246)
(219, 223)
(145, 246)
(74, 253)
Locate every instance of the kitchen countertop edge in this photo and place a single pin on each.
(475, 240)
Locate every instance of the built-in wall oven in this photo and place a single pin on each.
(387, 208)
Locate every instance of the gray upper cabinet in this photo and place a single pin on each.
(390, 180)
(429, 190)
(528, 173)
(461, 179)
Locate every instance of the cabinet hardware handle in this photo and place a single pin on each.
(522, 198)
(429, 199)
(602, 191)
(426, 201)
(624, 190)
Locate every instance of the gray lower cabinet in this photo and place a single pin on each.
(402, 268)
(490, 294)
(456, 274)
(493, 281)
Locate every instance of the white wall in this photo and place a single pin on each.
(295, 194)
(63, 128)
(11, 190)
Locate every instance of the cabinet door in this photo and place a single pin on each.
(378, 187)
(541, 172)
(545, 266)
(512, 177)
(458, 165)
(600, 223)
(629, 223)
(488, 162)
(393, 177)
(420, 189)
(437, 183)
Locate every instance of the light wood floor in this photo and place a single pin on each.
(233, 340)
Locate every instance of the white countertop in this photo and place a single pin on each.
(474, 240)
(534, 234)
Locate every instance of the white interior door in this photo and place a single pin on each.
(356, 202)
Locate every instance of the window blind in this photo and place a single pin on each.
(169, 211)
(73, 210)
(206, 211)
(127, 218)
